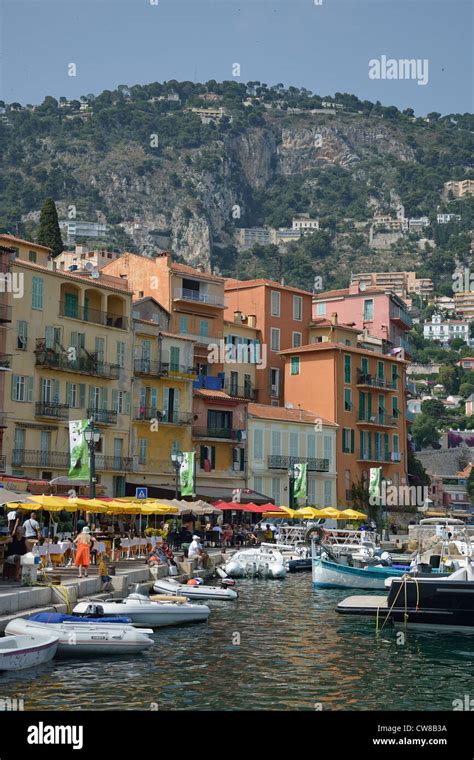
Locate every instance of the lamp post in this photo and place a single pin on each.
(291, 486)
(92, 437)
(384, 491)
(176, 459)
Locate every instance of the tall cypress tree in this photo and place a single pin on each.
(49, 233)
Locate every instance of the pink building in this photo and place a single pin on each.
(379, 311)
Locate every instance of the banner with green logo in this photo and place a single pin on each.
(300, 483)
(79, 465)
(374, 485)
(186, 473)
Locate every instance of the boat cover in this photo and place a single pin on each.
(58, 617)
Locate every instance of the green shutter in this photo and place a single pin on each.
(128, 402)
(174, 359)
(30, 388)
(82, 395)
(91, 396)
(352, 441)
(14, 385)
(213, 457)
(114, 400)
(56, 391)
(154, 400)
(104, 398)
(68, 394)
(49, 337)
(361, 406)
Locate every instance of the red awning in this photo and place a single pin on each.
(238, 507)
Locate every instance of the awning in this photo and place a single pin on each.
(208, 493)
(236, 506)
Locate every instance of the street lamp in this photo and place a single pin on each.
(176, 459)
(92, 438)
(291, 486)
(384, 491)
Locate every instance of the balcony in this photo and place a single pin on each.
(401, 317)
(171, 417)
(146, 367)
(376, 456)
(87, 364)
(168, 369)
(146, 413)
(379, 420)
(277, 462)
(406, 345)
(410, 387)
(197, 296)
(410, 416)
(5, 313)
(240, 391)
(102, 416)
(52, 409)
(371, 381)
(226, 434)
(209, 382)
(114, 463)
(36, 458)
(86, 314)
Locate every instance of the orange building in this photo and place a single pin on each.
(282, 314)
(364, 393)
(195, 299)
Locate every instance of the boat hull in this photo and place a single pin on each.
(86, 639)
(256, 563)
(328, 574)
(151, 614)
(27, 651)
(195, 592)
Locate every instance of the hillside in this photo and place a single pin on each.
(141, 160)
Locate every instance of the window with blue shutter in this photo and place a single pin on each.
(258, 445)
(71, 305)
(37, 293)
(183, 325)
(347, 368)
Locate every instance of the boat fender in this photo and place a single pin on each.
(192, 582)
(165, 598)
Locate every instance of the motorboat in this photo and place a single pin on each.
(169, 610)
(26, 651)
(423, 604)
(330, 574)
(259, 562)
(198, 591)
(83, 636)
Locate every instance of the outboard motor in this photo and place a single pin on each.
(94, 610)
(227, 583)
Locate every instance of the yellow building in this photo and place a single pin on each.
(243, 356)
(72, 352)
(162, 398)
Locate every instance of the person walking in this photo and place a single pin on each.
(83, 541)
(32, 531)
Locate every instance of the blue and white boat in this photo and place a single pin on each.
(330, 574)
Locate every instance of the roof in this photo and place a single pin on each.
(104, 281)
(185, 269)
(150, 298)
(233, 284)
(14, 239)
(267, 412)
(345, 293)
(324, 322)
(340, 347)
(218, 395)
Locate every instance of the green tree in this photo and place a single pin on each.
(448, 378)
(49, 233)
(433, 408)
(425, 431)
(417, 475)
(470, 484)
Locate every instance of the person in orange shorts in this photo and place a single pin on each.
(83, 542)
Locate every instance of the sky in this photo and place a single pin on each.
(323, 45)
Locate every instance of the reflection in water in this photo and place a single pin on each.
(295, 651)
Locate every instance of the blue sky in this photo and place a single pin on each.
(325, 48)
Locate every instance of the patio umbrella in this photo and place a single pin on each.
(308, 513)
(286, 511)
(331, 513)
(10, 497)
(54, 503)
(353, 514)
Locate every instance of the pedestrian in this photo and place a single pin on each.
(105, 578)
(195, 550)
(13, 518)
(32, 531)
(83, 541)
(17, 548)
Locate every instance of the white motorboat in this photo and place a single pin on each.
(145, 612)
(170, 586)
(20, 652)
(260, 562)
(84, 636)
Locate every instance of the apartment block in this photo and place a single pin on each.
(278, 438)
(364, 394)
(459, 189)
(443, 331)
(401, 283)
(282, 315)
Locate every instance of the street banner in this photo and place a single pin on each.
(374, 485)
(300, 486)
(79, 467)
(186, 473)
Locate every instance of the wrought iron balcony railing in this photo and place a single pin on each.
(52, 409)
(382, 420)
(115, 463)
(375, 382)
(186, 294)
(230, 434)
(37, 458)
(102, 416)
(87, 364)
(277, 462)
(240, 391)
(86, 314)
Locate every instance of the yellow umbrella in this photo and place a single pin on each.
(331, 513)
(50, 502)
(155, 508)
(308, 513)
(287, 510)
(353, 514)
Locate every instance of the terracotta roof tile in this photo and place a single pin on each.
(13, 239)
(233, 284)
(267, 412)
(340, 347)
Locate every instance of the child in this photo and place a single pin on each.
(103, 572)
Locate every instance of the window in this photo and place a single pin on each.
(294, 448)
(174, 359)
(368, 309)
(32, 256)
(347, 399)
(395, 410)
(320, 309)
(71, 305)
(119, 401)
(120, 353)
(395, 443)
(295, 365)
(311, 446)
(312, 490)
(275, 382)
(52, 337)
(22, 388)
(394, 375)
(348, 440)
(380, 370)
(298, 308)
(364, 367)
(219, 420)
(328, 493)
(22, 335)
(142, 450)
(276, 443)
(328, 449)
(347, 368)
(37, 293)
(275, 338)
(258, 484)
(276, 490)
(183, 325)
(207, 458)
(238, 459)
(275, 303)
(204, 328)
(296, 339)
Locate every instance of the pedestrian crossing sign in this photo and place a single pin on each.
(141, 493)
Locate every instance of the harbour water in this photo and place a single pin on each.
(281, 645)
